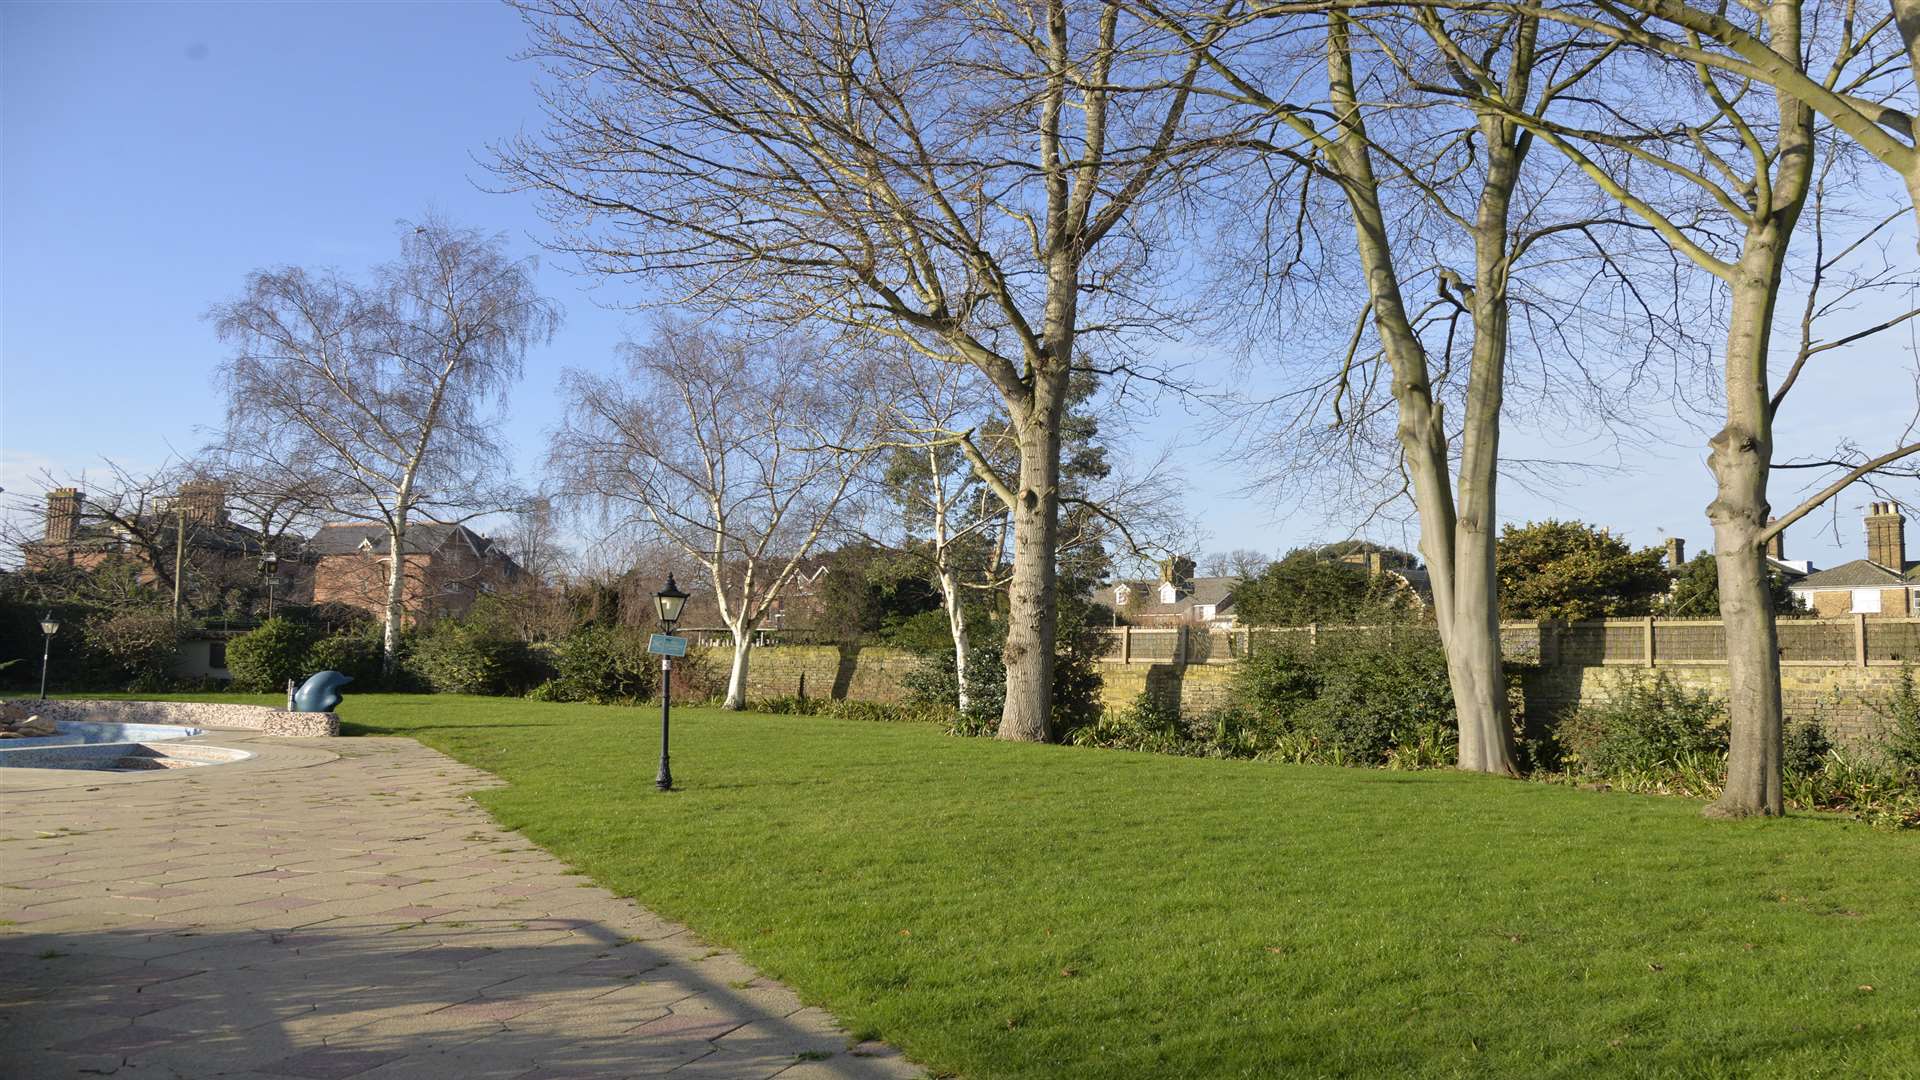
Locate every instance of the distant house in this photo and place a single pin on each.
(447, 568)
(219, 550)
(1178, 598)
(1377, 562)
(1884, 583)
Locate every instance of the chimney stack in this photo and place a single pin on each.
(1887, 536)
(1777, 545)
(1178, 571)
(63, 515)
(1676, 553)
(204, 502)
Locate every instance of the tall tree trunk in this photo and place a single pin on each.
(1472, 637)
(396, 592)
(1740, 455)
(957, 626)
(1032, 598)
(737, 676)
(1459, 554)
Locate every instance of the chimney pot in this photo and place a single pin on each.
(1887, 537)
(63, 515)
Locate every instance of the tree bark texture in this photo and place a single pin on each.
(1032, 601)
(396, 593)
(737, 674)
(1458, 548)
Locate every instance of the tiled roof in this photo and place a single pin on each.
(424, 537)
(1217, 591)
(1858, 574)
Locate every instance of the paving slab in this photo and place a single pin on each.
(335, 909)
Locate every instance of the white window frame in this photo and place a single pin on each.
(1866, 601)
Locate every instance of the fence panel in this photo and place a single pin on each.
(1812, 641)
(1601, 641)
(1893, 639)
(1689, 642)
(1623, 642)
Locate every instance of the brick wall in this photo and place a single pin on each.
(1566, 666)
(1832, 670)
(818, 671)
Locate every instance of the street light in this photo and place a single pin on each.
(48, 626)
(667, 602)
(269, 563)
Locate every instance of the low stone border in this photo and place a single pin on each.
(199, 714)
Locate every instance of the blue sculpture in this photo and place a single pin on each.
(321, 693)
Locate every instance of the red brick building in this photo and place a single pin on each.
(448, 567)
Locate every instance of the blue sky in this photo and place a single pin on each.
(151, 155)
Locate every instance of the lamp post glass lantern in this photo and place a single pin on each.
(270, 565)
(48, 626)
(667, 602)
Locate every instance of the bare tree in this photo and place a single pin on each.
(379, 393)
(532, 599)
(1240, 563)
(724, 446)
(1466, 182)
(1858, 69)
(1727, 146)
(984, 183)
(949, 438)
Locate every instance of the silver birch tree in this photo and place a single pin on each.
(380, 394)
(727, 448)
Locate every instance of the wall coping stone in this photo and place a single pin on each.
(201, 714)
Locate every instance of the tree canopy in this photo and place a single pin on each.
(1572, 570)
(1308, 587)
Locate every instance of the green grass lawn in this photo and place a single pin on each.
(1002, 910)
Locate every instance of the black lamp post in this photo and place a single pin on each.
(270, 565)
(668, 601)
(48, 626)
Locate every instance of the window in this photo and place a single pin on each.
(216, 654)
(1168, 592)
(1866, 601)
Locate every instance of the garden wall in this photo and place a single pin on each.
(1832, 670)
(814, 671)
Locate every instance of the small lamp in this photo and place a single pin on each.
(48, 626)
(669, 601)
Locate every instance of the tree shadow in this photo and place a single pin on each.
(355, 995)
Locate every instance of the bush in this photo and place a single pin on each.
(1076, 677)
(1645, 725)
(1805, 749)
(1900, 741)
(473, 656)
(601, 665)
(138, 648)
(264, 658)
(360, 655)
(1380, 693)
(1151, 724)
(1379, 698)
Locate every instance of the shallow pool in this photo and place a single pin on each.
(88, 732)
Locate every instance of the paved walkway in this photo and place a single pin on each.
(337, 908)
